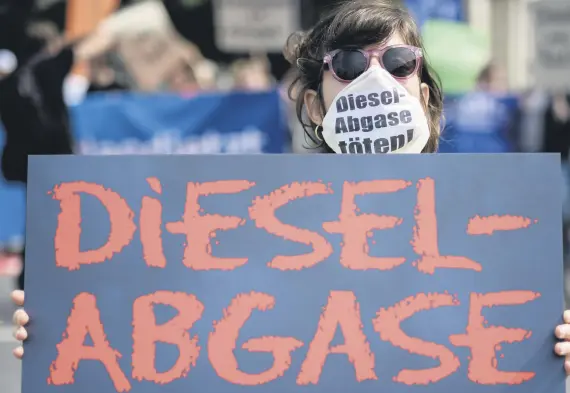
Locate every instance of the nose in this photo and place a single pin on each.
(374, 61)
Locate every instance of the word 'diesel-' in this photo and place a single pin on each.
(341, 309)
(200, 228)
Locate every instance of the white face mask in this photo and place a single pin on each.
(375, 114)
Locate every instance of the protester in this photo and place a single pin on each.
(392, 63)
(103, 77)
(182, 79)
(188, 77)
(33, 110)
(492, 79)
(485, 119)
(556, 139)
(333, 78)
(534, 104)
(252, 74)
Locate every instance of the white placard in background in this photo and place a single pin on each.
(255, 25)
(551, 64)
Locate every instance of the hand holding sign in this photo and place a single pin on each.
(563, 333)
(20, 320)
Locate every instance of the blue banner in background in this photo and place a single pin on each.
(423, 10)
(480, 122)
(126, 123)
(239, 123)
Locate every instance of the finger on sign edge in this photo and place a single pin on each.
(562, 348)
(562, 332)
(21, 334)
(18, 352)
(21, 318)
(18, 297)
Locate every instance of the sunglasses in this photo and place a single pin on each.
(401, 61)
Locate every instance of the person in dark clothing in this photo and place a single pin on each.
(32, 107)
(556, 137)
(34, 115)
(14, 17)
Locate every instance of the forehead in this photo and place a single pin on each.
(395, 39)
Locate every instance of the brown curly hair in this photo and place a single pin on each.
(356, 23)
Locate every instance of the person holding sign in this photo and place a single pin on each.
(364, 83)
(367, 89)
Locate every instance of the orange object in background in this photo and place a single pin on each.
(82, 18)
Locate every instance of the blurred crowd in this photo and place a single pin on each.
(136, 48)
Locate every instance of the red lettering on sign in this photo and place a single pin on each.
(146, 333)
(223, 339)
(262, 212)
(488, 225)
(199, 229)
(483, 341)
(387, 323)
(68, 231)
(341, 310)
(357, 228)
(85, 319)
(150, 227)
(425, 239)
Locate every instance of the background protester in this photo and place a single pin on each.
(33, 109)
(253, 74)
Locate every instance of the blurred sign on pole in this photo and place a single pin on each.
(255, 25)
(552, 43)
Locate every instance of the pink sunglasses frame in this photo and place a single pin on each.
(369, 55)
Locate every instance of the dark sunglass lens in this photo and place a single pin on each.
(349, 64)
(400, 62)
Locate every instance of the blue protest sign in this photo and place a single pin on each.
(172, 124)
(281, 273)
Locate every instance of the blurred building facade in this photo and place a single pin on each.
(509, 24)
